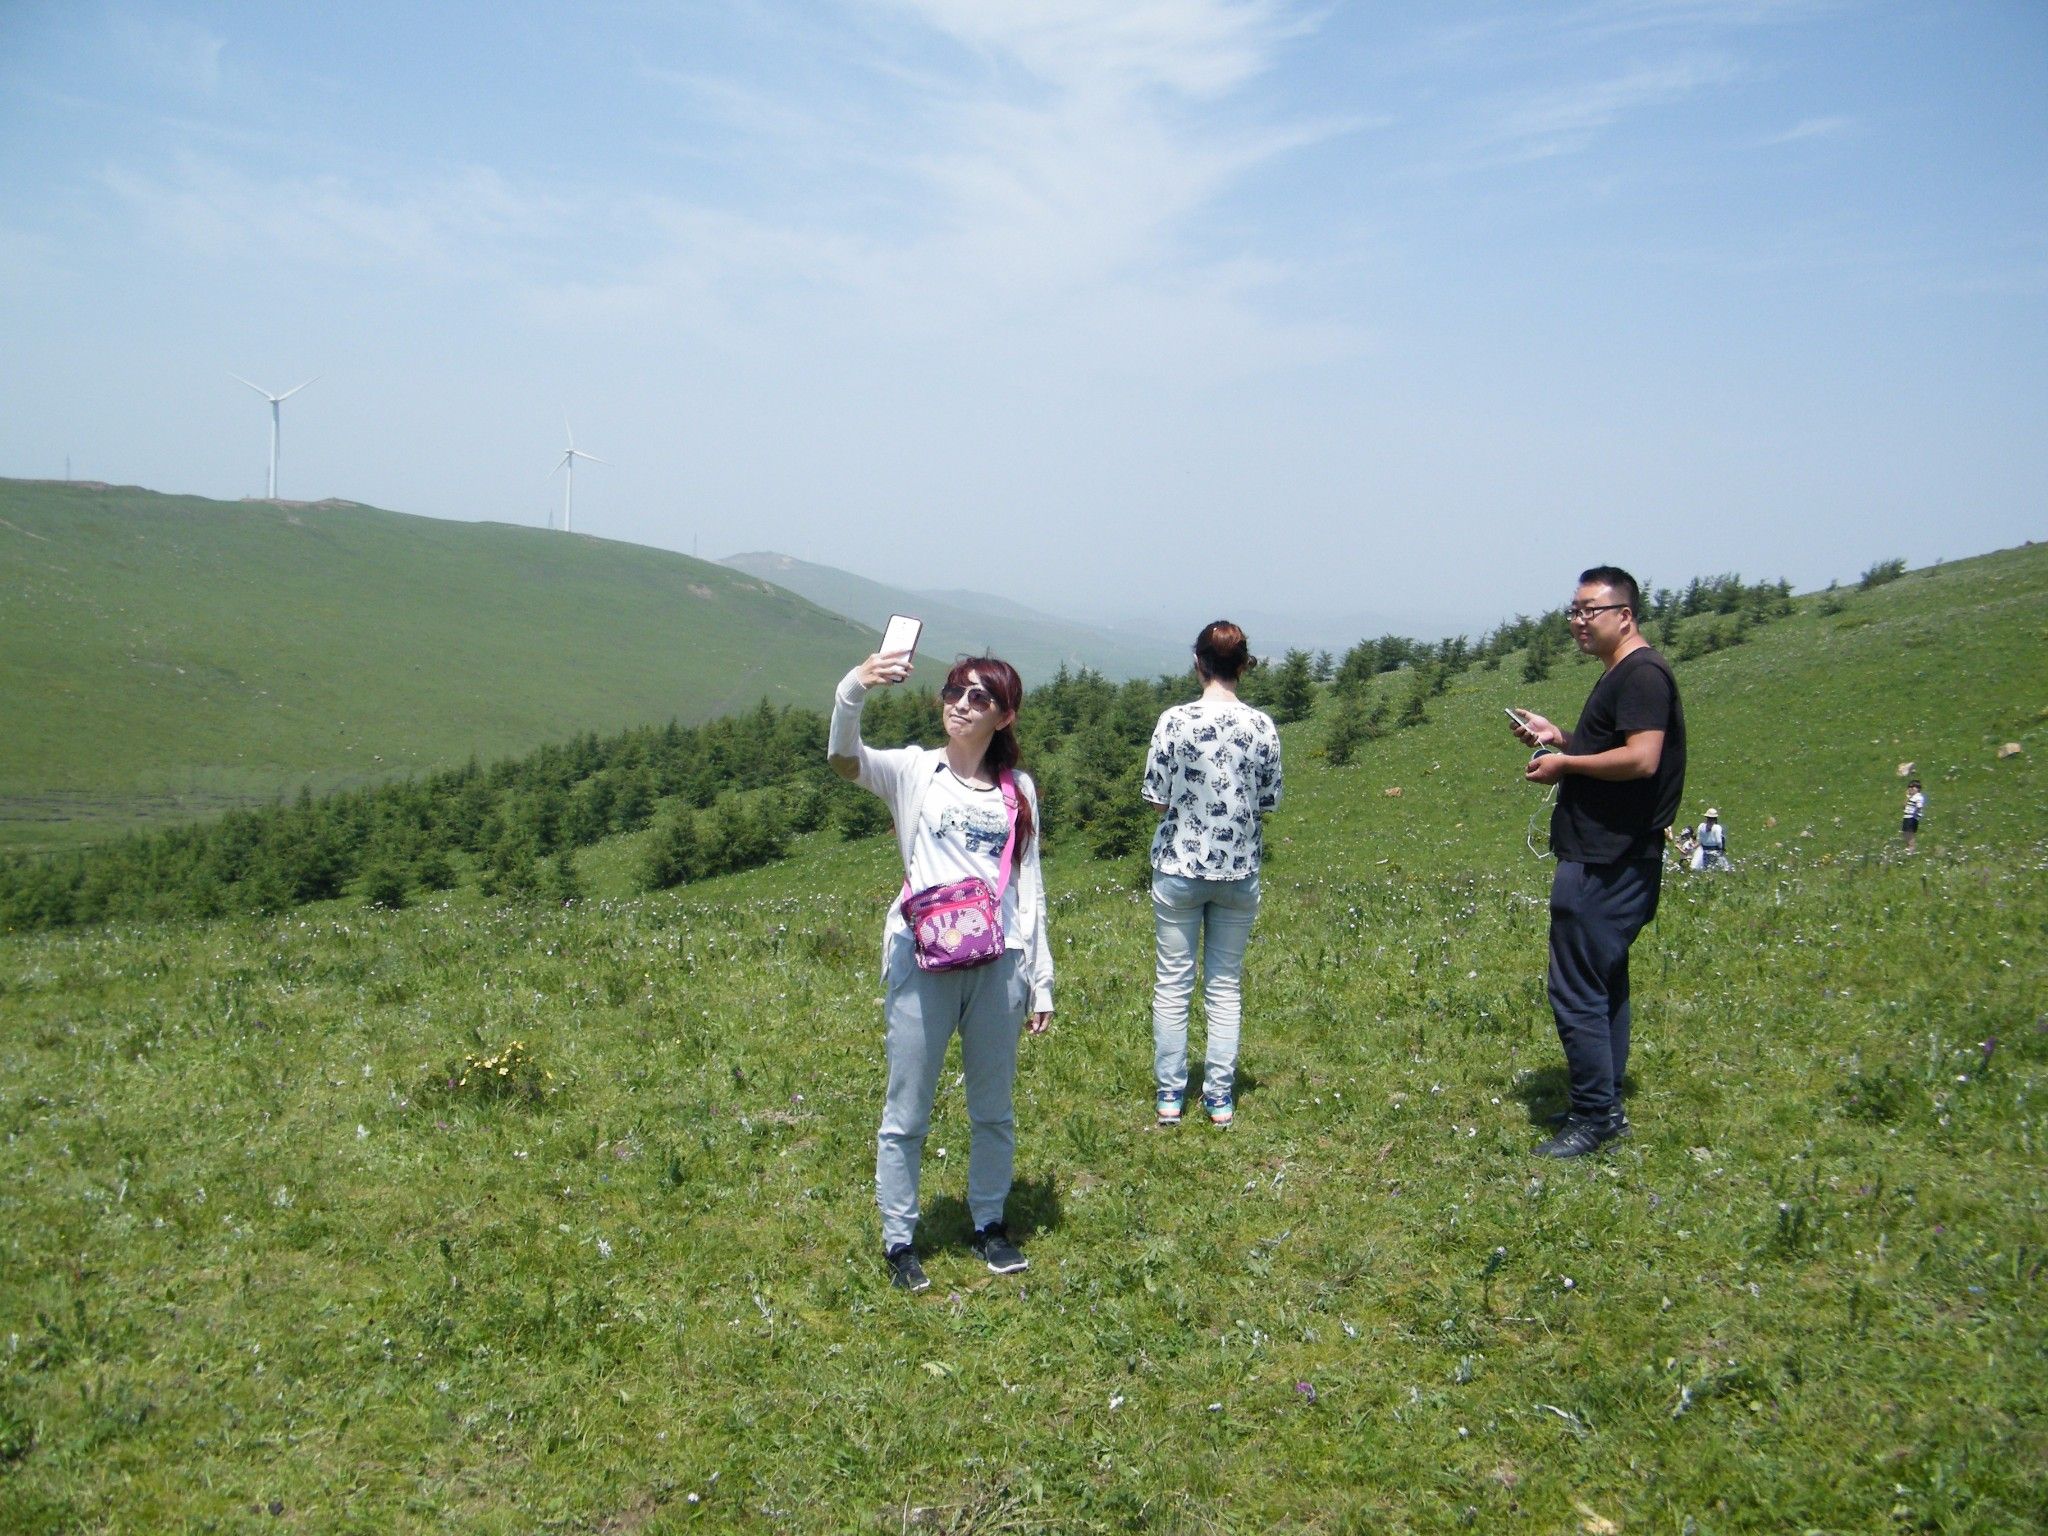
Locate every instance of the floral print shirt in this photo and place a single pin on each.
(1215, 767)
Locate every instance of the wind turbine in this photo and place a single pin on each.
(275, 401)
(568, 462)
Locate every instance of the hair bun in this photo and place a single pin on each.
(1222, 651)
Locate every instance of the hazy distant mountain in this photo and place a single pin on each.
(961, 623)
(1276, 630)
(168, 657)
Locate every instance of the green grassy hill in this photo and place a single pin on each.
(968, 624)
(273, 1258)
(165, 657)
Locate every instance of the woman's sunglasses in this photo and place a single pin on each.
(976, 696)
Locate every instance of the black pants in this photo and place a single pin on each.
(1596, 911)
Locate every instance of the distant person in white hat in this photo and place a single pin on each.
(1713, 842)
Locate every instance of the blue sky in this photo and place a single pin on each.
(1179, 307)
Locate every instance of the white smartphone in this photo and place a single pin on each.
(1521, 718)
(901, 635)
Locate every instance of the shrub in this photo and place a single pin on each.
(1415, 708)
(513, 867)
(1880, 1098)
(1347, 729)
(435, 870)
(386, 885)
(675, 854)
(806, 807)
(511, 1073)
(860, 814)
(1292, 693)
(560, 883)
(1880, 573)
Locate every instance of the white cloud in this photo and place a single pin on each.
(1071, 178)
(1811, 128)
(452, 224)
(1549, 123)
(1198, 48)
(182, 55)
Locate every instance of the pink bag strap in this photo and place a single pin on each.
(1007, 782)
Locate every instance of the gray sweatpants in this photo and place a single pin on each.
(986, 1005)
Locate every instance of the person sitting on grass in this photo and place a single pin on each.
(1713, 842)
(962, 814)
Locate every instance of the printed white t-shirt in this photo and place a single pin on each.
(1215, 767)
(961, 832)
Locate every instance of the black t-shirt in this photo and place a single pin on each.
(1601, 822)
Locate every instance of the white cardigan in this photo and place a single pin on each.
(901, 776)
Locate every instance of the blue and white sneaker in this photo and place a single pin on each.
(1220, 1106)
(1167, 1106)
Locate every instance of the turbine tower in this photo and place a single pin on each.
(275, 401)
(568, 463)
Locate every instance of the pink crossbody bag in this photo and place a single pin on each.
(959, 925)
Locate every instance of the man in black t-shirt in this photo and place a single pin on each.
(1620, 776)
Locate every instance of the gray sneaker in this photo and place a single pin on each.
(1575, 1139)
(993, 1243)
(905, 1273)
(1616, 1131)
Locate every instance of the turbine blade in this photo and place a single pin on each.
(290, 392)
(257, 387)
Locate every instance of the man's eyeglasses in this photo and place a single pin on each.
(976, 696)
(1579, 611)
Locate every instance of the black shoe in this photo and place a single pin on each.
(997, 1251)
(905, 1273)
(1621, 1125)
(1575, 1139)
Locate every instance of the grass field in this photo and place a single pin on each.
(167, 657)
(267, 1269)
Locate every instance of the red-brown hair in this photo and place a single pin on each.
(1002, 681)
(1221, 650)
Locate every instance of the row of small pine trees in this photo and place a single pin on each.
(731, 794)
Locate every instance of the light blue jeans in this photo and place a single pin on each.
(986, 1004)
(1217, 915)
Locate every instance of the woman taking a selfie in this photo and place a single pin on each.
(964, 947)
(1213, 771)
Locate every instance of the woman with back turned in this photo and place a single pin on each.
(964, 948)
(1213, 771)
